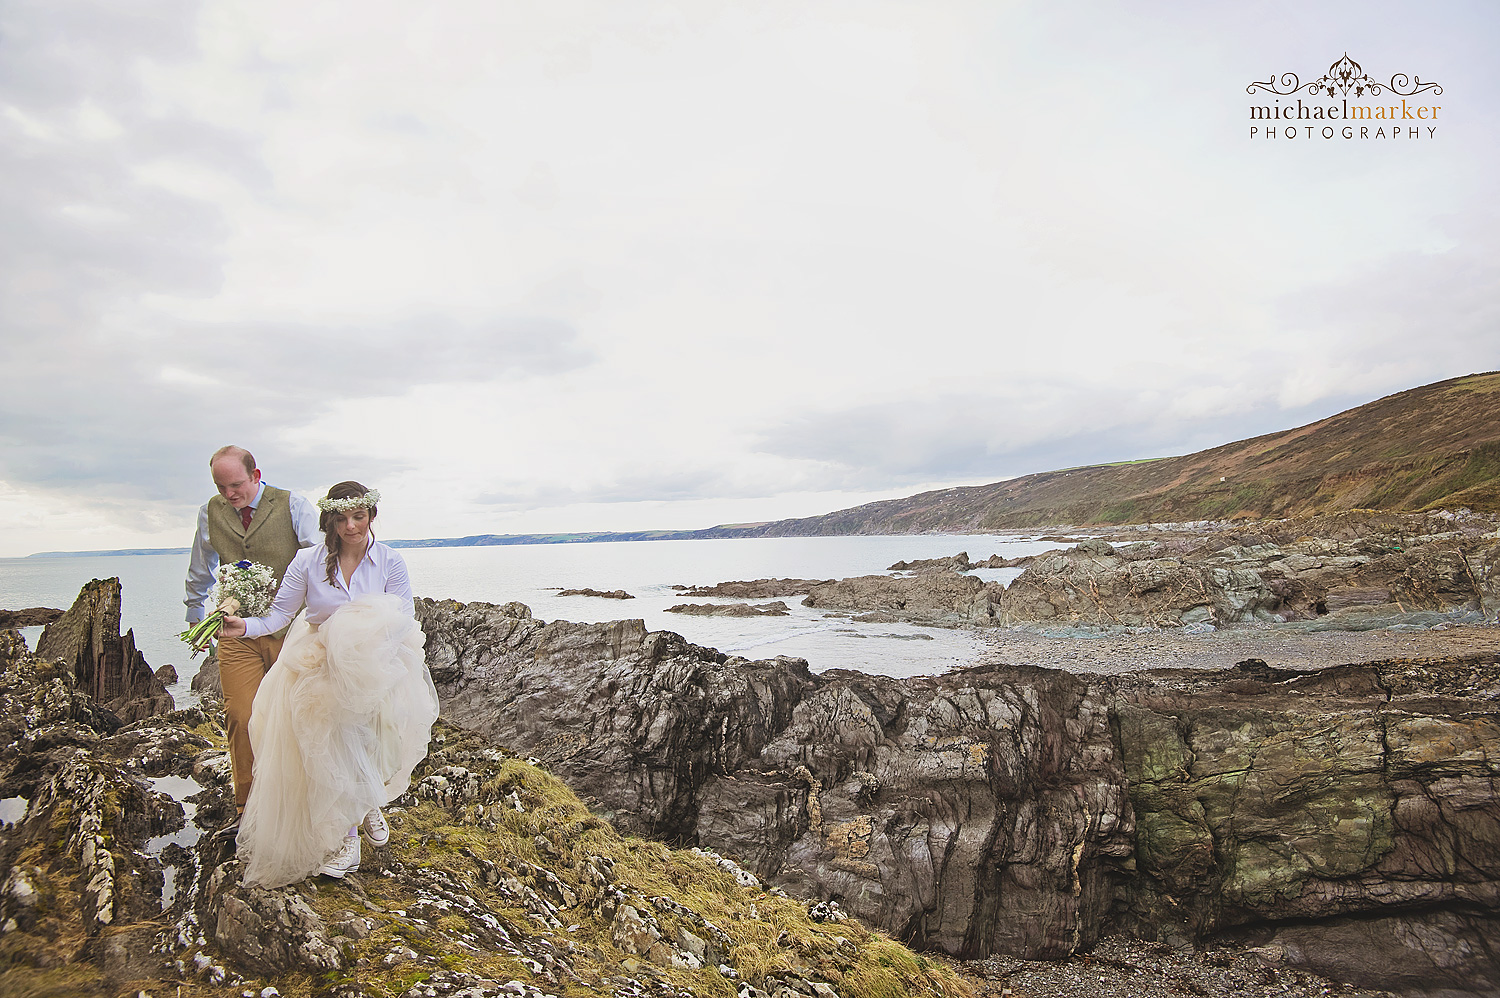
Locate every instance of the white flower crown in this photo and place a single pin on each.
(370, 498)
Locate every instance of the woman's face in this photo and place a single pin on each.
(353, 527)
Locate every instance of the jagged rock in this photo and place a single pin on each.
(957, 563)
(273, 933)
(1107, 590)
(205, 681)
(83, 884)
(107, 666)
(1447, 952)
(1022, 811)
(110, 886)
(635, 718)
(612, 594)
(755, 589)
(937, 808)
(938, 597)
(34, 616)
(774, 609)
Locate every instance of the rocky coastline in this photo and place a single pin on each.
(498, 882)
(1342, 819)
(1346, 571)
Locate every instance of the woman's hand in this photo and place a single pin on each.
(234, 627)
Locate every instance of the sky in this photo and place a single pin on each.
(570, 265)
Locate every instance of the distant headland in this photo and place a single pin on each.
(1428, 448)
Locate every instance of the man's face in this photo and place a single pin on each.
(234, 482)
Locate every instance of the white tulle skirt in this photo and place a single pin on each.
(337, 726)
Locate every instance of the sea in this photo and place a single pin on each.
(533, 574)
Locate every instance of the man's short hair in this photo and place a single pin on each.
(230, 450)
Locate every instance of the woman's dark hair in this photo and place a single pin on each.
(326, 523)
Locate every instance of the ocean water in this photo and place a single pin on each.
(534, 573)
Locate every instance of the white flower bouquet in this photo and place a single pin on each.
(244, 589)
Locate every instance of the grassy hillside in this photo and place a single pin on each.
(1429, 447)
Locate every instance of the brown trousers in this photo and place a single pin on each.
(243, 662)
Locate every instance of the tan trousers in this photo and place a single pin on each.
(243, 662)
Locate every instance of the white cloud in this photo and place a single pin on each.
(586, 265)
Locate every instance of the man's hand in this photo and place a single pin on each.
(234, 627)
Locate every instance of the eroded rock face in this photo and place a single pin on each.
(983, 811)
(107, 666)
(976, 812)
(1024, 811)
(1265, 797)
(635, 719)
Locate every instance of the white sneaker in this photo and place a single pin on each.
(375, 828)
(345, 860)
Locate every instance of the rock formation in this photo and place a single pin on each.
(941, 809)
(498, 882)
(105, 665)
(755, 588)
(1347, 817)
(958, 563)
(611, 594)
(34, 616)
(938, 597)
(1355, 570)
(773, 609)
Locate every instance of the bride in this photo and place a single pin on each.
(344, 715)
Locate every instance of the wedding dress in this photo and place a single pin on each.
(338, 725)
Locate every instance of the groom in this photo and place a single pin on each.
(248, 519)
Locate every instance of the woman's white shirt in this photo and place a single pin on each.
(381, 570)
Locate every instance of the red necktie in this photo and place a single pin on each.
(245, 514)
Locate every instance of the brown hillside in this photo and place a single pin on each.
(1429, 447)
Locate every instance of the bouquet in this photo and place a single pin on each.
(244, 589)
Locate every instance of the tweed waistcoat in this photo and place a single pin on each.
(271, 538)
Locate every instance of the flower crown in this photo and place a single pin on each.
(367, 500)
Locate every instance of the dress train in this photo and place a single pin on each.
(337, 726)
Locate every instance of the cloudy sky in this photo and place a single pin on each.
(533, 266)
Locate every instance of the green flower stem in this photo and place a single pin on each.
(201, 634)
